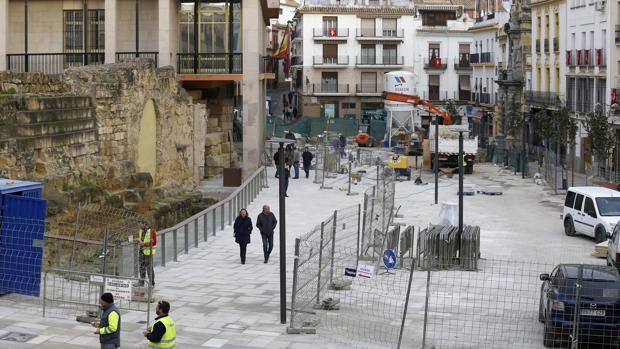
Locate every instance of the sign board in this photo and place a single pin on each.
(96, 279)
(389, 259)
(119, 288)
(352, 272)
(365, 271)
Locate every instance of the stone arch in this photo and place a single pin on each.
(146, 160)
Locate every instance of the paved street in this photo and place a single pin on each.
(219, 303)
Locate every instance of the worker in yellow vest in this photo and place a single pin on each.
(147, 239)
(163, 333)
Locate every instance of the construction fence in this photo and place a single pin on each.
(379, 211)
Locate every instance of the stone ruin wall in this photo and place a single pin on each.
(84, 125)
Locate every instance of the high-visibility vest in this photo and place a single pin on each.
(147, 239)
(169, 339)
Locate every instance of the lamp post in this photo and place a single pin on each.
(436, 159)
(461, 159)
(282, 213)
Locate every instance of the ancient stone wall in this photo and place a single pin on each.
(88, 125)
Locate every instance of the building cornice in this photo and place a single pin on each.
(356, 10)
(484, 28)
(542, 3)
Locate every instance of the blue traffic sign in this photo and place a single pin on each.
(389, 259)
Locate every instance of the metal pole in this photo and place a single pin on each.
(555, 176)
(26, 65)
(186, 238)
(104, 264)
(163, 249)
(137, 28)
(282, 235)
(436, 160)
(85, 26)
(196, 36)
(359, 215)
(318, 284)
(349, 189)
(402, 324)
(294, 291)
(428, 284)
(77, 224)
(578, 286)
(524, 133)
(461, 173)
(44, 291)
(334, 228)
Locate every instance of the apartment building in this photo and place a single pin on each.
(589, 49)
(489, 55)
(216, 47)
(342, 49)
(275, 33)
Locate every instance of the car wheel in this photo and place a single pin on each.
(600, 235)
(548, 337)
(569, 227)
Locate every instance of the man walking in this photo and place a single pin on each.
(147, 239)
(296, 162)
(163, 333)
(266, 223)
(307, 160)
(109, 327)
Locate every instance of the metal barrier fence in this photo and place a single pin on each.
(378, 209)
(72, 294)
(440, 246)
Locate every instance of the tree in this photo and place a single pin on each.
(600, 134)
(567, 127)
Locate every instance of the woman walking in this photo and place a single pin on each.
(242, 230)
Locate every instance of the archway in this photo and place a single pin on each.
(147, 141)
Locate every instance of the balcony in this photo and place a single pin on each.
(268, 65)
(571, 59)
(330, 33)
(474, 58)
(484, 98)
(330, 62)
(435, 63)
(379, 61)
(585, 58)
(541, 98)
(379, 35)
(601, 57)
(486, 57)
(366, 90)
(51, 63)
(330, 89)
(209, 63)
(128, 56)
(461, 64)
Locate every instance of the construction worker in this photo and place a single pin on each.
(109, 327)
(163, 333)
(147, 239)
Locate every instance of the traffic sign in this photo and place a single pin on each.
(389, 259)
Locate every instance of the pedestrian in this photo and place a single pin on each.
(289, 156)
(295, 113)
(290, 135)
(276, 161)
(266, 223)
(287, 175)
(109, 327)
(147, 239)
(163, 333)
(296, 162)
(307, 157)
(242, 230)
(343, 144)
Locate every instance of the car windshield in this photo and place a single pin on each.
(608, 206)
(592, 289)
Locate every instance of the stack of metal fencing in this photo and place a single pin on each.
(442, 247)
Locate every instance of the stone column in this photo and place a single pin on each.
(110, 31)
(4, 33)
(253, 88)
(165, 13)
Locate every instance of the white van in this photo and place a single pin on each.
(591, 211)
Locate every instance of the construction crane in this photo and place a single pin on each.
(419, 103)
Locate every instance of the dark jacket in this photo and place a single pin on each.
(111, 338)
(266, 223)
(243, 228)
(158, 332)
(343, 141)
(307, 157)
(276, 157)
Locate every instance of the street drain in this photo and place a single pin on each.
(17, 337)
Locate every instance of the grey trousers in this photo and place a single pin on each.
(109, 346)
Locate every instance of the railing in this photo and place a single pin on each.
(464, 95)
(379, 60)
(331, 32)
(474, 58)
(435, 95)
(340, 60)
(268, 64)
(601, 58)
(485, 98)
(51, 63)
(435, 63)
(584, 58)
(297, 61)
(571, 59)
(359, 88)
(180, 238)
(209, 63)
(380, 34)
(127, 56)
(330, 88)
(486, 57)
(462, 63)
(543, 98)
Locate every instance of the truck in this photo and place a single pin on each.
(448, 148)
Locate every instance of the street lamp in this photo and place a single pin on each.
(460, 130)
(282, 207)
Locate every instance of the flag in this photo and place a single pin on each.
(284, 51)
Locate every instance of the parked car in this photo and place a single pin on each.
(599, 306)
(613, 248)
(591, 211)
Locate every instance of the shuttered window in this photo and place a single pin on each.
(368, 27)
(369, 82)
(389, 27)
(433, 80)
(464, 82)
(433, 51)
(330, 53)
(463, 48)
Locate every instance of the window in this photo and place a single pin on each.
(368, 54)
(570, 199)
(329, 110)
(348, 105)
(600, 92)
(570, 93)
(433, 51)
(588, 208)
(437, 18)
(390, 54)
(463, 55)
(330, 54)
(609, 206)
(368, 27)
(464, 88)
(219, 25)
(389, 27)
(330, 26)
(280, 10)
(578, 202)
(74, 31)
(369, 82)
(329, 82)
(433, 87)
